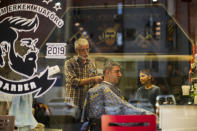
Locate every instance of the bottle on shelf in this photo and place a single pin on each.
(195, 95)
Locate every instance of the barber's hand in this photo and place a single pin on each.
(98, 79)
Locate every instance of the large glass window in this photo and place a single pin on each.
(137, 37)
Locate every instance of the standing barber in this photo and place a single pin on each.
(80, 73)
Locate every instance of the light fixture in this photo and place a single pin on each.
(80, 28)
(84, 33)
(77, 24)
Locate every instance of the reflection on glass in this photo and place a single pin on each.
(137, 37)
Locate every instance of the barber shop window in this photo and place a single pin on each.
(91, 59)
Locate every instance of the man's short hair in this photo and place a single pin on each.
(109, 65)
(80, 42)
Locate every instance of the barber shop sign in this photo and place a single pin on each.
(22, 22)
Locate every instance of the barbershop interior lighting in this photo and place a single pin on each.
(120, 9)
(158, 29)
(158, 33)
(84, 33)
(80, 28)
(77, 24)
(158, 23)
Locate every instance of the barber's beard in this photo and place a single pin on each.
(84, 59)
